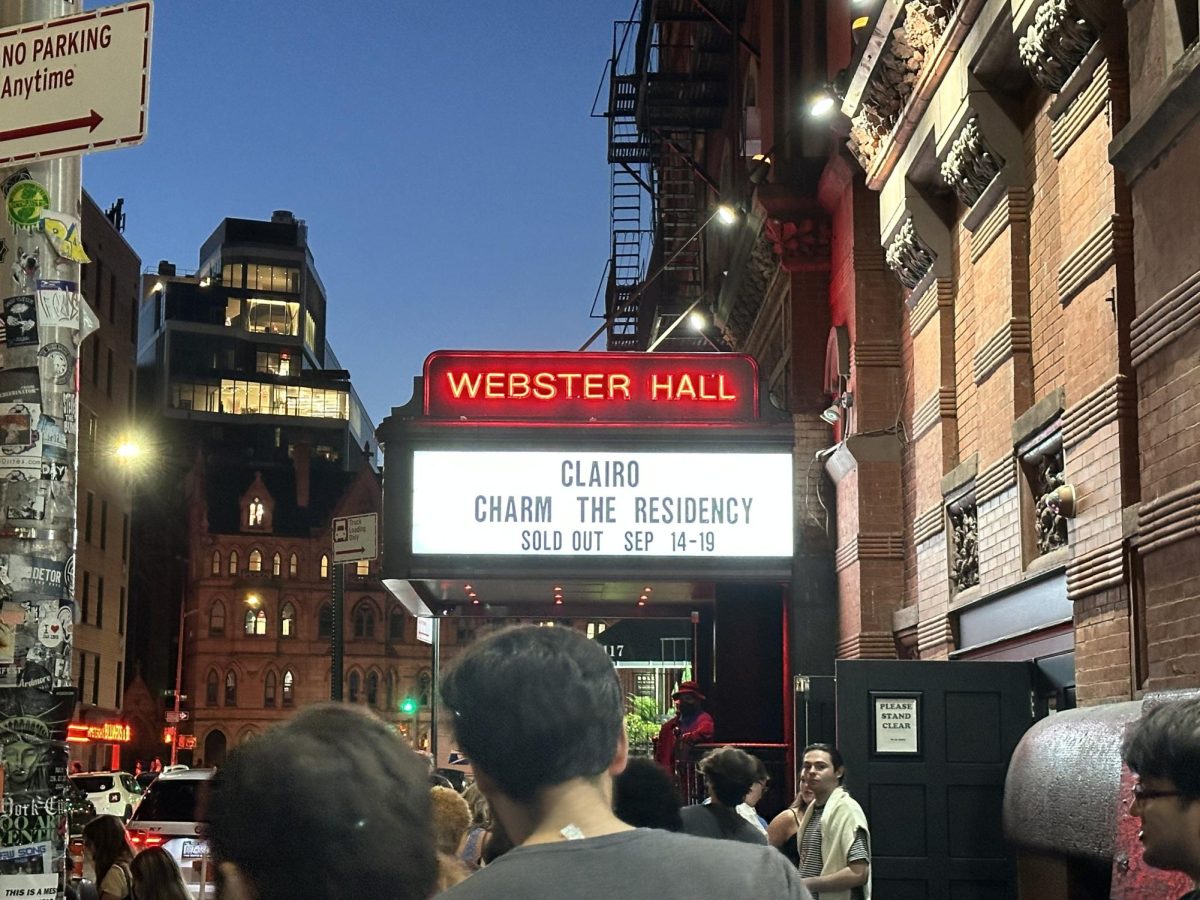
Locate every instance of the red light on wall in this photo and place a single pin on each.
(591, 387)
(107, 733)
(77, 734)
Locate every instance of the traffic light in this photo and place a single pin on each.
(408, 705)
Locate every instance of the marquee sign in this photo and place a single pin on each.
(106, 733)
(591, 387)
(529, 503)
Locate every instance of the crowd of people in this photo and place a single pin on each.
(332, 804)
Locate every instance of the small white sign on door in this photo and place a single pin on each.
(897, 724)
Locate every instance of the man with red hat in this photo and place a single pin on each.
(690, 725)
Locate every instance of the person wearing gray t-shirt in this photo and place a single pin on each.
(539, 711)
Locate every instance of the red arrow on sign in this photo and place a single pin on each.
(91, 121)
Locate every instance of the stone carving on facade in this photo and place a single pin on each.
(752, 290)
(1045, 475)
(806, 240)
(899, 69)
(970, 164)
(964, 559)
(1056, 43)
(908, 255)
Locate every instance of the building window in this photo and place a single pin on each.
(424, 686)
(85, 598)
(391, 689)
(270, 362)
(364, 620)
(355, 686)
(96, 680)
(287, 620)
(216, 619)
(254, 516)
(256, 622)
(230, 688)
(100, 602)
(121, 613)
(120, 686)
(324, 621)
(216, 563)
(87, 522)
(362, 567)
(324, 566)
(293, 565)
(276, 565)
(255, 564)
(233, 562)
(210, 689)
(269, 684)
(396, 624)
(109, 372)
(289, 681)
(594, 629)
(125, 537)
(372, 688)
(103, 524)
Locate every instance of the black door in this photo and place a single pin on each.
(926, 746)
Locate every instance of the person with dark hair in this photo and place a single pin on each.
(471, 851)
(644, 796)
(835, 843)
(747, 808)
(156, 876)
(331, 804)
(729, 773)
(540, 712)
(107, 852)
(1163, 750)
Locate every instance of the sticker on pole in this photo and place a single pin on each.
(355, 538)
(75, 84)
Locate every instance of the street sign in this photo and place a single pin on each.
(176, 717)
(425, 629)
(75, 84)
(355, 538)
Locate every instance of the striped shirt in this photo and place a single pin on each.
(810, 850)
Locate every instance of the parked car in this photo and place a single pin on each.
(167, 818)
(112, 793)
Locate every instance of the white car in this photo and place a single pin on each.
(112, 793)
(167, 818)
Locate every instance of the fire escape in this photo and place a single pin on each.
(668, 85)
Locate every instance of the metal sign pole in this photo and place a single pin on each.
(433, 684)
(336, 640)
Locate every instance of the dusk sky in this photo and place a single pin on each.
(454, 185)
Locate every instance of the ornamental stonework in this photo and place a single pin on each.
(1056, 43)
(964, 549)
(909, 256)
(970, 165)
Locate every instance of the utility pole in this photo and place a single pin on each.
(336, 639)
(46, 320)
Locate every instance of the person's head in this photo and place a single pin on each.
(1163, 749)
(822, 770)
(481, 813)
(105, 842)
(688, 698)
(534, 708)
(451, 818)
(644, 796)
(761, 779)
(157, 877)
(332, 804)
(729, 773)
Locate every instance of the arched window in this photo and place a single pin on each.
(277, 565)
(287, 620)
(254, 516)
(372, 688)
(255, 564)
(269, 684)
(396, 624)
(216, 563)
(355, 686)
(233, 562)
(256, 621)
(293, 565)
(364, 620)
(289, 684)
(362, 567)
(230, 688)
(424, 686)
(216, 619)
(324, 566)
(391, 688)
(210, 688)
(324, 621)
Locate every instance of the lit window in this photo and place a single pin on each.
(293, 565)
(362, 567)
(255, 515)
(256, 622)
(255, 564)
(277, 565)
(287, 620)
(233, 562)
(324, 566)
(216, 562)
(289, 681)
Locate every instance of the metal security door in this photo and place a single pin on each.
(927, 746)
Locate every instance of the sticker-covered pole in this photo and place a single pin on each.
(45, 320)
(336, 638)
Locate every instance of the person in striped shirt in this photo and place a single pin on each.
(834, 840)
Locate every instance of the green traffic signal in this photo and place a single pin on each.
(408, 706)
